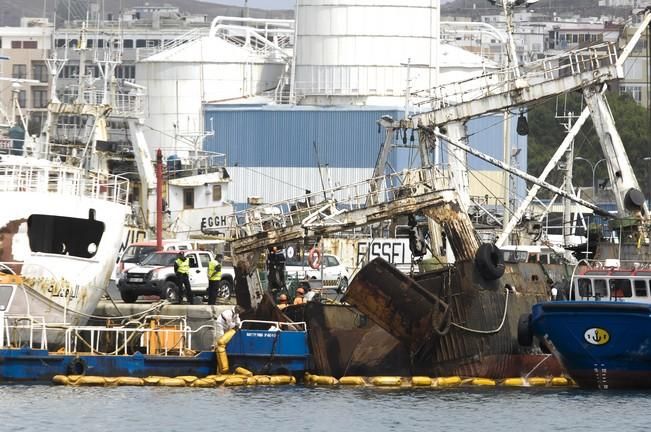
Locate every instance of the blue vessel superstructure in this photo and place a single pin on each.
(270, 348)
(602, 333)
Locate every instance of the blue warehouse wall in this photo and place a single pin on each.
(348, 138)
(270, 136)
(283, 138)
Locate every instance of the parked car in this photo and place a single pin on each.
(136, 252)
(155, 276)
(334, 272)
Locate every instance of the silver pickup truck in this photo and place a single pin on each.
(155, 276)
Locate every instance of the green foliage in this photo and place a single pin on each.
(547, 133)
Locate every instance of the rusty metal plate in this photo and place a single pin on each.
(395, 302)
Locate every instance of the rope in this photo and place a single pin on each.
(506, 307)
(154, 307)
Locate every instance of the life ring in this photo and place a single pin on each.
(314, 258)
(77, 366)
(490, 261)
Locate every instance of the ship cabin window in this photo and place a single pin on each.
(600, 288)
(515, 256)
(641, 288)
(584, 288)
(127, 43)
(620, 288)
(64, 235)
(188, 198)
(216, 192)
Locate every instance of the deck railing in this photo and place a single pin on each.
(24, 174)
(156, 334)
(319, 207)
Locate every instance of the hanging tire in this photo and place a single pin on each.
(489, 260)
(171, 292)
(77, 366)
(525, 335)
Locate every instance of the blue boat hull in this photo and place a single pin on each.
(270, 352)
(602, 344)
(33, 365)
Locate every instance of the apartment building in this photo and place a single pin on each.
(23, 71)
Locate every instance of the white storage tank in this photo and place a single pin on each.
(357, 51)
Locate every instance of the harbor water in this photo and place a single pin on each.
(296, 408)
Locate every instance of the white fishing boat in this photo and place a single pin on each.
(63, 214)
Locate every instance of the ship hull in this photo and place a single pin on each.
(603, 345)
(475, 335)
(61, 234)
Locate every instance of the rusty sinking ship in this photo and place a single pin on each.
(459, 319)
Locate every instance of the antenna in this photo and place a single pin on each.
(316, 152)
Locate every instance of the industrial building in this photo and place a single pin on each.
(298, 111)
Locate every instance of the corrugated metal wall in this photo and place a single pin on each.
(284, 137)
(271, 149)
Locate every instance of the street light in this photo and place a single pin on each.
(594, 170)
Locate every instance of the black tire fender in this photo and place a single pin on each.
(525, 335)
(489, 261)
(77, 366)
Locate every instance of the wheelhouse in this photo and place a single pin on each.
(613, 284)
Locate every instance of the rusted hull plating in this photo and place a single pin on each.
(480, 338)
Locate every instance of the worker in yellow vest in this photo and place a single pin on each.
(182, 271)
(214, 279)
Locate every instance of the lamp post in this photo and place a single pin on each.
(594, 170)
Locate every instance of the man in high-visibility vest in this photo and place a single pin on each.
(182, 271)
(214, 279)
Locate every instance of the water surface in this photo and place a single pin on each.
(296, 408)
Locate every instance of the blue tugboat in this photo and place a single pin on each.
(155, 345)
(602, 334)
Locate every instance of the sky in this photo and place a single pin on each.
(267, 4)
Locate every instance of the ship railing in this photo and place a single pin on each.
(616, 264)
(273, 325)
(65, 180)
(324, 207)
(157, 334)
(548, 70)
(16, 327)
(160, 334)
(186, 162)
(123, 104)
